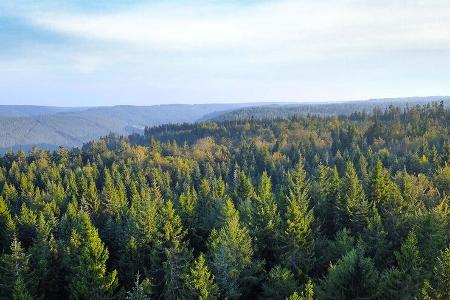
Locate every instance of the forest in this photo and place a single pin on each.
(305, 207)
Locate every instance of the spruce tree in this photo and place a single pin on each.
(172, 257)
(279, 284)
(88, 256)
(201, 282)
(141, 290)
(405, 282)
(7, 226)
(298, 249)
(352, 205)
(231, 253)
(14, 272)
(441, 275)
(329, 186)
(353, 277)
(267, 221)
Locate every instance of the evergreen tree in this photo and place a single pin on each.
(299, 241)
(280, 284)
(441, 275)
(88, 255)
(246, 197)
(20, 291)
(308, 294)
(14, 272)
(172, 255)
(375, 237)
(352, 205)
(267, 221)
(7, 226)
(353, 277)
(329, 186)
(200, 281)
(43, 260)
(140, 290)
(405, 281)
(231, 253)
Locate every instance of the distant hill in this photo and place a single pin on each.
(21, 127)
(12, 111)
(338, 108)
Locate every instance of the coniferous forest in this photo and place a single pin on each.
(303, 207)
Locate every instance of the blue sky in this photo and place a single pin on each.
(83, 53)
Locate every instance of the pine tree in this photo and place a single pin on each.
(88, 255)
(200, 281)
(42, 259)
(343, 243)
(14, 272)
(20, 291)
(405, 281)
(299, 241)
(230, 253)
(110, 196)
(246, 198)
(352, 205)
(329, 185)
(267, 221)
(280, 284)
(7, 226)
(308, 294)
(378, 185)
(172, 257)
(352, 277)
(375, 237)
(386, 196)
(441, 275)
(140, 290)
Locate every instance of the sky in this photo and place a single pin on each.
(110, 52)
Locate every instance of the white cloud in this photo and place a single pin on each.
(228, 51)
(293, 29)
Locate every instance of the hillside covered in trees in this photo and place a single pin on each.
(300, 207)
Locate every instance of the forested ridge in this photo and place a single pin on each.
(303, 207)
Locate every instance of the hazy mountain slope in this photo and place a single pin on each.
(21, 127)
(11, 111)
(73, 127)
(342, 108)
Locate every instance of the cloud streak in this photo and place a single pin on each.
(145, 52)
(308, 28)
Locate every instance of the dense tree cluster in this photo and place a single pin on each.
(306, 207)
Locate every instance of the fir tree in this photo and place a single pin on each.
(353, 277)
(172, 255)
(299, 241)
(231, 253)
(88, 256)
(267, 221)
(200, 281)
(352, 205)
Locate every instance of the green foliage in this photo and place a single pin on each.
(173, 257)
(364, 213)
(406, 280)
(308, 294)
(441, 276)
(7, 226)
(141, 290)
(280, 284)
(231, 253)
(200, 281)
(86, 258)
(353, 277)
(352, 206)
(299, 240)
